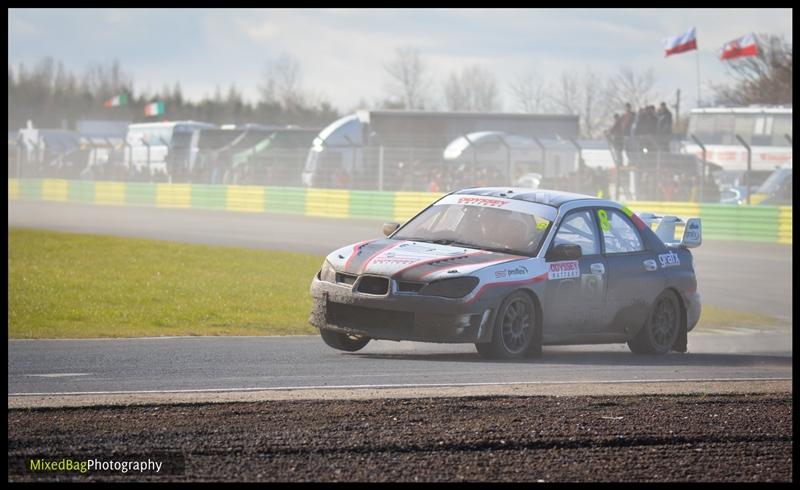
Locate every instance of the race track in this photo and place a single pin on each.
(292, 409)
(250, 363)
(744, 276)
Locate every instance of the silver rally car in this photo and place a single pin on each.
(512, 269)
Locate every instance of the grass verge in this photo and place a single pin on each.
(65, 285)
(713, 317)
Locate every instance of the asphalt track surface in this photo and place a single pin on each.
(744, 276)
(105, 366)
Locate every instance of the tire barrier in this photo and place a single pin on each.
(772, 224)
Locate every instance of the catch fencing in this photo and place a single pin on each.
(593, 168)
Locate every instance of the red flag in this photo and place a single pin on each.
(679, 44)
(738, 48)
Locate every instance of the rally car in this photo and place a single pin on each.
(511, 270)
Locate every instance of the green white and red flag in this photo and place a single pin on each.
(154, 109)
(118, 101)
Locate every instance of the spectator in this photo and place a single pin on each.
(435, 181)
(636, 134)
(616, 136)
(647, 127)
(641, 130)
(627, 120)
(664, 126)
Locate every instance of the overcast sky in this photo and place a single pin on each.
(342, 52)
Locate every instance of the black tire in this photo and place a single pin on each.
(343, 341)
(662, 328)
(517, 332)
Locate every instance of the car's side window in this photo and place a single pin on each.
(619, 234)
(577, 228)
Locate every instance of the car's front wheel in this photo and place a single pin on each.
(517, 332)
(343, 341)
(662, 328)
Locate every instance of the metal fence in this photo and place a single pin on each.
(636, 170)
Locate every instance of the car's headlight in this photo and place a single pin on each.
(457, 287)
(327, 273)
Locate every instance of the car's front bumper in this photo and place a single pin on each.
(398, 316)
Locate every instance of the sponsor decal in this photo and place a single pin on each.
(394, 260)
(517, 271)
(563, 270)
(669, 259)
(482, 201)
(521, 270)
(692, 232)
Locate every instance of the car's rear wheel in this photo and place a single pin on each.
(662, 328)
(343, 341)
(516, 330)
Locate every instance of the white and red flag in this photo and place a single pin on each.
(680, 44)
(738, 48)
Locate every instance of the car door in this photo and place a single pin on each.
(633, 280)
(575, 289)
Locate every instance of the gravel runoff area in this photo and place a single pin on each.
(722, 437)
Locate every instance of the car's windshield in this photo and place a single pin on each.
(488, 228)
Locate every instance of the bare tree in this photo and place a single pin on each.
(595, 113)
(529, 92)
(105, 81)
(762, 79)
(582, 94)
(456, 98)
(566, 93)
(628, 86)
(282, 83)
(408, 81)
(474, 89)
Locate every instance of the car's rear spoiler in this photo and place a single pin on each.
(665, 229)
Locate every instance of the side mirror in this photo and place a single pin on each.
(564, 251)
(389, 228)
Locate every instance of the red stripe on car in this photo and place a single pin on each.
(356, 249)
(384, 249)
(638, 221)
(533, 280)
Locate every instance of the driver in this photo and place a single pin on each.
(498, 228)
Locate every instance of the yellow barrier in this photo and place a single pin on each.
(174, 195)
(785, 225)
(55, 190)
(245, 198)
(13, 188)
(109, 193)
(407, 204)
(328, 202)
